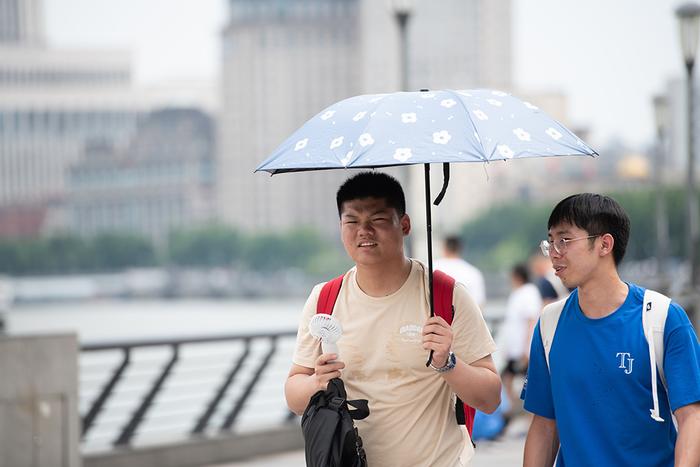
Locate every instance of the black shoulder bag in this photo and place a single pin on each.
(330, 436)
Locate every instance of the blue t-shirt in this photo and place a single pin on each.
(599, 391)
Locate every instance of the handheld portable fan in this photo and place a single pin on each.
(328, 329)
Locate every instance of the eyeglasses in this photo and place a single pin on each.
(560, 245)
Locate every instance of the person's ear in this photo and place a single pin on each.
(607, 242)
(405, 224)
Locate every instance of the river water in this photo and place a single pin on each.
(109, 320)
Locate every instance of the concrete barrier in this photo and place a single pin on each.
(39, 424)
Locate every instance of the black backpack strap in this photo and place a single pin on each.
(361, 407)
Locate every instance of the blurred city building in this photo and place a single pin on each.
(545, 177)
(51, 103)
(163, 179)
(21, 22)
(54, 103)
(284, 61)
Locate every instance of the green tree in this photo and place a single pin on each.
(113, 251)
(295, 248)
(67, 253)
(213, 245)
(13, 258)
(505, 234)
(509, 232)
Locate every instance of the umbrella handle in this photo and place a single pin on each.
(428, 217)
(445, 182)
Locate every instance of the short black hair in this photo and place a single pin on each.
(520, 271)
(597, 215)
(453, 244)
(372, 185)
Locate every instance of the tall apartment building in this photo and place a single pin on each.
(285, 60)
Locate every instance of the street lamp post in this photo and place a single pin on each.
(662, 242)
(403, 9)
(403, 12)
(689, 21)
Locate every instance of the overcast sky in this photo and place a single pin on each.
(608, 56)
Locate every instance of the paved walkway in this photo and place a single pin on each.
(505, 452)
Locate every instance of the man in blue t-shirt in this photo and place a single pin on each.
(592, 404)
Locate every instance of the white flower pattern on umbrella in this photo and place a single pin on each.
(365, 139)
(301, 144)
(403, 154)
(505, 151)
(480, 114)
(359, 116)
(553, 133)
(409, 117)
(441, 137)
(447, 103)
(337, 142)
(499, 126)
(522, 135)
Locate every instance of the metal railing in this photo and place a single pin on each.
(189, 387)
(106, 378)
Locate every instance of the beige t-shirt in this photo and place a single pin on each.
(412, 415)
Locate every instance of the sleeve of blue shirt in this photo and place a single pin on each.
(537, 392)
(681, 359)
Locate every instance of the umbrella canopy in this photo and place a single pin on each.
(403, 128)
(382, 130)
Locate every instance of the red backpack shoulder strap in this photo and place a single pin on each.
(328, 296)
(443, 290)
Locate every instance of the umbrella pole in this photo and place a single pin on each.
(429, 227)
(428, 222)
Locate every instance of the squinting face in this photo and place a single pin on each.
(372, 232)
(577, 264)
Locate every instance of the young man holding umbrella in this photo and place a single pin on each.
(387, 331)
(592, 384)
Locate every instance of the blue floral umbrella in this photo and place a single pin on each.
(383, 130)
(402, 128)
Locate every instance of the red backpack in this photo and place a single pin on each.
(443, 289)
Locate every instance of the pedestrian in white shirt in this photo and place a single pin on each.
(522, 310)
(454, 265)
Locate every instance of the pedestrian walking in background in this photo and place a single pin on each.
(522, 310)
(605, 380)
(453, 264)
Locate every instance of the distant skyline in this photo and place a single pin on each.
(608, 57)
